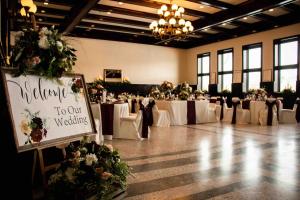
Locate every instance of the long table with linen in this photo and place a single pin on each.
(178, 110)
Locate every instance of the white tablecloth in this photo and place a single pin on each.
(255, 108)
(202, 109)
(177, 110)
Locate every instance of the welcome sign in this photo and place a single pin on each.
(47, 112)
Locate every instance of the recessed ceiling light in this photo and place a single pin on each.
(166, 43)
(201, 7)
(43, 11)
(92, 25)
(142, 32)
(108, 12)
(254, 31)
(275, 26)
(206, 29)
(100, 19)
(46, 3)
(40, 19)
(245, 18)
(120, 2)
(271, 10)
(224, 24)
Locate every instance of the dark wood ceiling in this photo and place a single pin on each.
(128, 20)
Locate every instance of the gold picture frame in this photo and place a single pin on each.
(112, 75)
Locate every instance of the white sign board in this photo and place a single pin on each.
(47, 112)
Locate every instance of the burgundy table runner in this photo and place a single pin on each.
(107, 118)
(298, 111)
(222, 101)
(234, 106)
(191, 112)
(270, 112)
(133, 103)
(246, 104)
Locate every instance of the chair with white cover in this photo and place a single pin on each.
(268, 116)
(236, 114)
(161, 118)
(288, 116)
(212, 110)
(97, 118)
(130, 126)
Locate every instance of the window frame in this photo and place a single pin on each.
(222, 51)
(278, 42)
(247, 71)
(200, 74)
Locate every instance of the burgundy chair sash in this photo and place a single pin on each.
(133, 103)
(222, 101)
(234, 106)
(191, 112)
(107, 118)
(246, 104)
(150, 111)
(147, 113)
(298, 111)
(270, 112)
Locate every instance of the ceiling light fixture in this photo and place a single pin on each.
(120, 2)
(245, 18)
(271, 10)
(171, 23)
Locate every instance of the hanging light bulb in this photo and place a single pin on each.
(167, 13)
(174, 7)
(181, 22)
(161, 22)
(181, 10)
(172, 21)
(177, 14)
(160, 12)
(188, 23)
(191, 28)
(164, 8)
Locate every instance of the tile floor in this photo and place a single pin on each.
(214, 161)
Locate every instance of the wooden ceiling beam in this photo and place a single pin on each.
(123, 11)
(116, 20)
(77, 12)
(214, 3)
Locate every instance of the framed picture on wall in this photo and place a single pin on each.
(112, 75)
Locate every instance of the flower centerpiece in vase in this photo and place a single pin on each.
(167, 88)
(95, 90)
(88, 170)
(43, 52)
(155, 93)
(198, 93)
(185, 91)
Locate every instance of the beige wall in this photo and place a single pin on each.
(140, 63)
(189, 72)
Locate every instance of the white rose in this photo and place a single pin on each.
(90, 159)
(59, 45)
(43, 43)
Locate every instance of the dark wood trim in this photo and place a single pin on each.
(77, 12)
(214, 3)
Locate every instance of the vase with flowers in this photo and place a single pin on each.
(185, 91)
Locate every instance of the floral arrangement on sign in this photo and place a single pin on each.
(185, 91)
(89, 170)
(33, 127)
(43, 52)
(77, 85)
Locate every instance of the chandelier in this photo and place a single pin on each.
(171, 23)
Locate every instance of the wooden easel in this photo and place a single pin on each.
(39, 157)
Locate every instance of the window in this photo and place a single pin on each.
(252, 62)
(203, 71)
(286, 63)
(225, 66)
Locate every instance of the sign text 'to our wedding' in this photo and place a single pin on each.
(47, 112)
